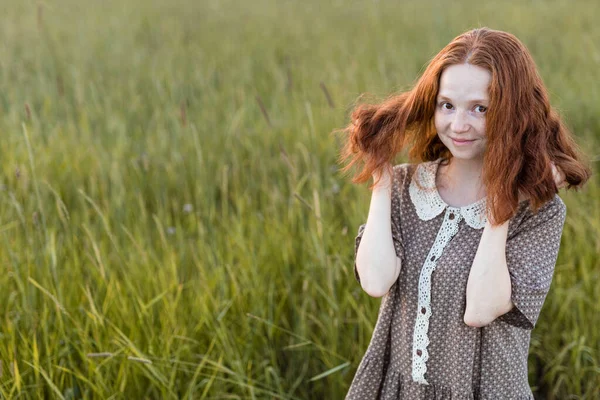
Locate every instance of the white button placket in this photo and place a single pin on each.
(420, 355)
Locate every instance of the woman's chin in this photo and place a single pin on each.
(465, 155)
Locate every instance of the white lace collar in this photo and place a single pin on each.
(429, 204)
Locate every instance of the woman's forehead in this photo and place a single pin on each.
(465, 81)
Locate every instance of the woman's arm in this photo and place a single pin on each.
(376, 261)
(489, 287)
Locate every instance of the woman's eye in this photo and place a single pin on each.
(446, 106)
(481, 109)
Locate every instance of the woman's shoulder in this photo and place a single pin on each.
(554, 210)
(553, 207)
(402, 174)
(410, 167)
(405, 169)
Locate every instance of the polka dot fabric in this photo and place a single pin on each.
(464, 362)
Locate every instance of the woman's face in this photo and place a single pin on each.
(460, 111)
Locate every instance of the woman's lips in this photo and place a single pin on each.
(462, 142)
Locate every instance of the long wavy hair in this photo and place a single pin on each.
(524, 133)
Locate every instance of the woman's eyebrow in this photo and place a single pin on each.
(475, 100)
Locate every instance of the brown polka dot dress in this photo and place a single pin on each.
(421, 348)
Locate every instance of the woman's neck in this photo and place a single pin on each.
(459, 182)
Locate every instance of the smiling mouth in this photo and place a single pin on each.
(458, 143)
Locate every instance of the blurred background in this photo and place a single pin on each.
(173, 222)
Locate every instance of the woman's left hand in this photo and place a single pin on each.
(559, 177)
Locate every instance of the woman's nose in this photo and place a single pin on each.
(459, 122)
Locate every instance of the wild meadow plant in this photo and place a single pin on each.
(173, 221)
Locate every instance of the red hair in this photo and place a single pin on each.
(524, 133)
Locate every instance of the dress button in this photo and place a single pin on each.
(433, 258)
(419, 352)
(423, 310)
(451, 216)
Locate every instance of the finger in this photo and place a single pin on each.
(559, 176)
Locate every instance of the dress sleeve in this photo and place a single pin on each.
(531, 255)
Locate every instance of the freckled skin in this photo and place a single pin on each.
(461, 108)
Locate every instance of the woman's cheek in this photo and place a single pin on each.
(440, 121)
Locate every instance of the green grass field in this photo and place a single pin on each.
(173, 222)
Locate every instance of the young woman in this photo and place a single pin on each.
(462, 243)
